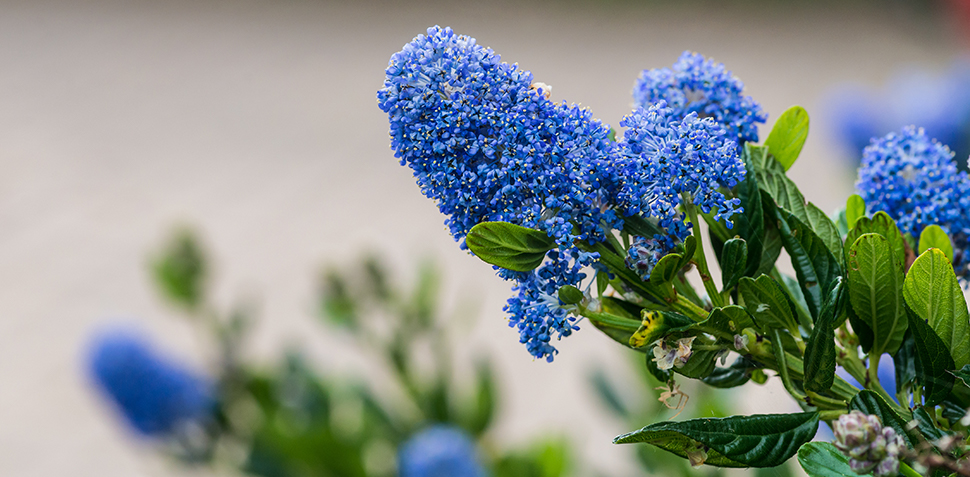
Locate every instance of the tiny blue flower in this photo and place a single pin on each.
(439, 451)
(914, 179)
(702, 86)
(154, 394)
(644, 254)
(666, 157)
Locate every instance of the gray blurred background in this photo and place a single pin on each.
(256, 121)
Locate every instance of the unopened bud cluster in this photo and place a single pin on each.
(870, 446)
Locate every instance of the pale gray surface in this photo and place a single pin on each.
(257, 121)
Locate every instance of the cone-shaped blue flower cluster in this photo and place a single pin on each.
(486, 145)
(914, 179)
(667, 157)
(154, 394)
(439, 451)
(702, 86)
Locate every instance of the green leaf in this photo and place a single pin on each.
(509, 246)
(933, 361)
(700, 365)
(876, 291)
(666, 269)
(763, 440)
(570, 295)
(819, 363)
(815, 265)
(855, 209)
(963, 373)
(927, 426)
(932, 291)
(770, 252)
(788, 135)
(750, 224)
(822, 459)
(730, 319)
(655, 325)
(870, 403)
(180, 270)
(768, 303)
(880, 223)
(637, 225)
(787, 196)
(734, 262)
(934, 237)
(732, 376)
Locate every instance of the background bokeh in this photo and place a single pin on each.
(256, 121)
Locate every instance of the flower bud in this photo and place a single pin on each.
(870, 446)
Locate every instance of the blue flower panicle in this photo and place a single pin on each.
(485, 142)
(699, 85)
(439, 451)
(914, 179)
(154, 394)
(666, 157)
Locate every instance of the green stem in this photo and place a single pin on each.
(831, 415)
(907, 470)
(700, 259)
(779, 350)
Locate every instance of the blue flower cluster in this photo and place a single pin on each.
(154, 394)
(914, 179)
(938, 103)
(486, 145)
(644, 253)
(439, 451)
(667, 157)
(702, 86)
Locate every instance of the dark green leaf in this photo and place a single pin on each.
(904, 362)
(822, 459)
(769, 253)
(927, 426)
(700, 365)
(637, 225)
(788, 135)
(786, 195)
(661, 375)
(855, 209)
(932, 291)
(964, 374)
(732, 376)
(750, 224)
(933, 361)
(768, 303)
(509, 246)
(734, 262)
(876, 291)
(570, 295)
(881, 224)
(730, 319)
(738, 441)
(870, 403)
(934, 237)
(814, 264)
(819, 360)
(861, 329)
(666, 269)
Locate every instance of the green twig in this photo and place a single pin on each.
(700, 259)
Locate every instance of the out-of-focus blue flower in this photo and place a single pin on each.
(439, 451)
(644, 254)
(938, 103)
(666, 156)
(487, 144)
(913, 178)
(153, 393)
(702, 86)
(886, 374)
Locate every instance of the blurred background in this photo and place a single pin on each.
(256, 122)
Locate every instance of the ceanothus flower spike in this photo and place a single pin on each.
(702, 86)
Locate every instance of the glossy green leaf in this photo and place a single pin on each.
(750, 224)
(819, 362)
(814, 264)
(822, 459)
(786, 195)
(509, 246)
(876, 291)
(870, 403)
(964, 374)
(570, 295)
(880, 223)
(904, 363)
(933, 361)
(788, 135)
(934, 237)
(700, 365)
(932, 291)
(666, 268)
(739, 441)
(927, 426)
(734, 262)
(769, 253)
(730, 319)
(732, 376)
(855, 209)
(767, 303)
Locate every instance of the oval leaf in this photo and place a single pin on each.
(880, 223)
(855, 209)
(509, 246)
(822, 459)
(734, 262)
(876, 291)
(933, 361)
(788, 135)
(763, 440)
(819, 361)
(815, 265)
(932, 291)
(934, 237)
(768, 303)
